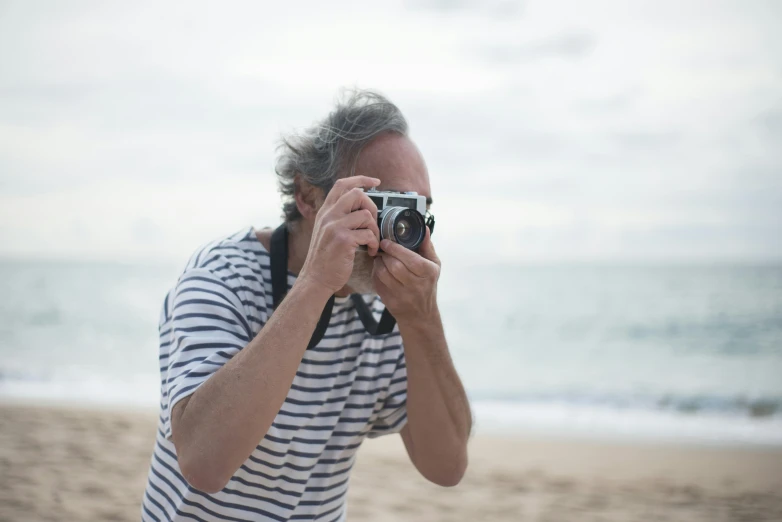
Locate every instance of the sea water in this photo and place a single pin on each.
(683, 353)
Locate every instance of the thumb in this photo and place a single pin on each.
(426, 249)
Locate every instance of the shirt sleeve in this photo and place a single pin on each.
(393, 415)
(208, 326)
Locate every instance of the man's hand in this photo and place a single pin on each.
(406, 281)
(438, 413)
(347, 219)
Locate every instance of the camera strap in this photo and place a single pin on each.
(372, 326)
(279, 268)
(278, 252)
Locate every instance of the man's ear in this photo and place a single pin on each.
(309, 198)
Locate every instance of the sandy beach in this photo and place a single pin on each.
(70, 464)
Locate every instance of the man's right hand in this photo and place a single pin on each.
(347, 220)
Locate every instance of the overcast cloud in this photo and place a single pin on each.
(553, 130)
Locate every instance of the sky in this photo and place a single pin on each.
(554, 130)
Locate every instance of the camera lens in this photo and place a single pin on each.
(402, 225)
(402, 230)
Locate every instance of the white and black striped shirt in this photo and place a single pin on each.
(348, 387)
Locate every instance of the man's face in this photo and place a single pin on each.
(397, 163)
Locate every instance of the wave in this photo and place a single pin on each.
(685, 404)
(594, 421)
(697, 418)
(75, 388)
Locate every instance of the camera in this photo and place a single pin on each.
(401, 216)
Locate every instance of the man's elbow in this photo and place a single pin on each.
(449, 474)
(200, 477)
(195, 469)
(448, 480)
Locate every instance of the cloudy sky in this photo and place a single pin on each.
(553, 129)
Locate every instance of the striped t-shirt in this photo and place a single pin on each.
(348, 387)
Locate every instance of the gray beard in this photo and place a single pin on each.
(360, 281)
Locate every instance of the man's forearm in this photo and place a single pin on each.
(439, 418)
(217, 428)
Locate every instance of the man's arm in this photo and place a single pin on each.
(217, 428)
(438, 412)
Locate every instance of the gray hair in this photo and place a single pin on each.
(328, 150)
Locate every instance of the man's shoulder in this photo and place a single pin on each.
(238, 260)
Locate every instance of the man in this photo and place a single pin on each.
(255, 425)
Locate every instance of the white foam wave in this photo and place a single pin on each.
(546, 418)
(590, 421)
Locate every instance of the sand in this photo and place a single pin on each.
(70, 464)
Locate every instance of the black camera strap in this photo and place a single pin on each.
(372, 326)
(279, 269)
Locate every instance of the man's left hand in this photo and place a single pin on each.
(407, 281)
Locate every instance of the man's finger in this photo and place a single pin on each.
(360, 219)
(343, 185)
(380, 282)
(364, 236)
(381, 273)
(415, 263)
(355, 199)
(427, 248)
(397, 269)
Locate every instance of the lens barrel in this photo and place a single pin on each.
(402, 225)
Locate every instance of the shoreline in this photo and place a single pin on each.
(494, 430)
(85, 463)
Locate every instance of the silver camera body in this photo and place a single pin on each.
(400, 216)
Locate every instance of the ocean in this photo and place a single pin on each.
(654, 353)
